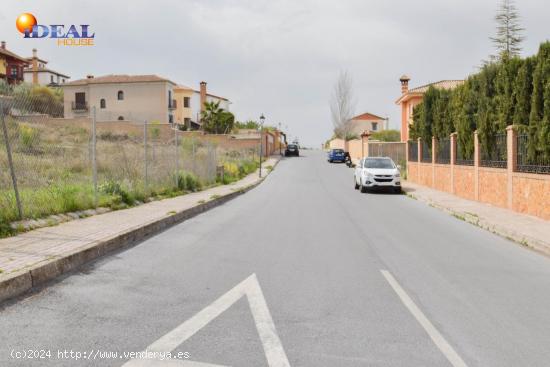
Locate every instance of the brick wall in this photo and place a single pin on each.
(525, 193)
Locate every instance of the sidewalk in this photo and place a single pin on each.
(524, 229)
(35, 257)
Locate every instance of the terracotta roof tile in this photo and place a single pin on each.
(367, 116)
(108, 79)
(443, 84)
(8, 53)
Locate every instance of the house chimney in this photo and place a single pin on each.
(404, 84)
(203, 95)
(34, 66)
(3, 45)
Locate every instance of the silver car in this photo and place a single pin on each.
(377, 172)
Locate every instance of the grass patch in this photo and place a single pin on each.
(214, 197)
(459, 216)
(201, 201)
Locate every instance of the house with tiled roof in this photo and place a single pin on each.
(190, 103)
(134, 98)
(410, 98)
(11, 65)
(38, 73)
(367, 123)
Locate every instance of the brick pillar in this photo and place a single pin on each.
(418, 158)
(407, 158)
(512, 161)
(477, 158)
(34, 66)
(434, 150)
(202, 95)
(453, 161)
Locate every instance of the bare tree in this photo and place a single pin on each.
(342, 106)
(509, 36)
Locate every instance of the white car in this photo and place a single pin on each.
(377, 172)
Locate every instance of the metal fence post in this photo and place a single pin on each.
(94, 156)
(146, 173)
(10, 161)
(176, 152)
(193, 155)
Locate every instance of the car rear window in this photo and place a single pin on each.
(338, 151)
(292, 146)
(379, 163)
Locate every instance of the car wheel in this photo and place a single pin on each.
(397, 190)
(364, 189)
(356, 184)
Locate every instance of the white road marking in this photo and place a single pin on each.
(273, 349)
(435, 335)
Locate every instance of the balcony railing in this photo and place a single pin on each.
(173, 105)
(79, 106)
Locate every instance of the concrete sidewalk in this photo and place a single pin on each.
(524, 229)
(34, 257)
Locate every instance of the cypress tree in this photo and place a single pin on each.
(540, 74)
(523, 88)
(505, 83)
(544, 135)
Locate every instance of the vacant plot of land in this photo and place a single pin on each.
(53, 164)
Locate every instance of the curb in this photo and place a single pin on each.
(22, 281)
(534, 244)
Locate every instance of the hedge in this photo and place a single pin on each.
(511, 91)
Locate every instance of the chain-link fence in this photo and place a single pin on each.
(51, 165)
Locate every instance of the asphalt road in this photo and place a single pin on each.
(303, 271)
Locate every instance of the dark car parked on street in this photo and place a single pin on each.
(292, 149)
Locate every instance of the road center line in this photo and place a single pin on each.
(435, 335)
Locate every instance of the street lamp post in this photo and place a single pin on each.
(280, 147)
(262, 120)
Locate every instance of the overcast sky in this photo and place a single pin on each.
(278, 57)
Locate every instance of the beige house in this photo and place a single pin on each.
(367, 123)
(190, 103)
(184, 111)
(135, 98)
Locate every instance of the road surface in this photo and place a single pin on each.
(301, 271)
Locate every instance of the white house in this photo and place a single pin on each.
(38, 73)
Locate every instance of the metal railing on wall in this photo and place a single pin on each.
(462, 156)
(413, 150)
(494, 152)
(531, 160)
(426, 152)
(443, 151)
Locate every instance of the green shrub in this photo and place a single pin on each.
(188, 182)
(5, 229)
(29, 138)
(114, 188)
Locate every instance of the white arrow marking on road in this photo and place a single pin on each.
(273, 349)
(435, 335)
